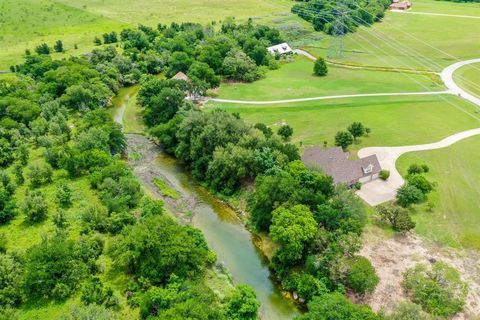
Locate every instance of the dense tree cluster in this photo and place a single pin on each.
(323, 14)
(417, 187)
(221, 149)
(55, 134)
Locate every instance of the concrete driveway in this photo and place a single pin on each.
(378, 191)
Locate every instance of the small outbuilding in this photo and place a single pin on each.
(180, 76)
(400, 5)
(335, 162)
(282, 48)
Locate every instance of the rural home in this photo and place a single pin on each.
(335, 163)
(400, 5)
(282, 48)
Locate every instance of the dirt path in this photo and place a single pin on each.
(392, 257)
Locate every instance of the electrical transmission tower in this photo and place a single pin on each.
(339, 25)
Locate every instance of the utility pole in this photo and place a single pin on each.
(337, 44)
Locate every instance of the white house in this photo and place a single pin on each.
(282, 48)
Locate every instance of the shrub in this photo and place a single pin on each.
(396, 216)
(417, 169)
(362, 277)
(7, 205)
(10, 281)
(420, 182)
(39, 173)
(243, 305)
(439, 289)
(64, 194)
(94, 292)
(51, 270)
(343, 139)
(384, 175)
(305, 285)
(408, 195)
(35, 206)
(408, 311)
(285, 132)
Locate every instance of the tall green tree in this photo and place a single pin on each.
(320, 67)
(293, 228)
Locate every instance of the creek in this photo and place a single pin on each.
(223, 230)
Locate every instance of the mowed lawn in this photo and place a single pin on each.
(468, 77)
(394, 121)
(296, 80)
(455, 220)
(415, 41)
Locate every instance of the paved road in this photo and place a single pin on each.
(332, 97)
(447, 78)
(378, 191)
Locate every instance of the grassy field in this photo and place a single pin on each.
(394, 120)
(418, 35)
(27, 23)
(468, 78)
(296, 80)
(455, 220)
(166, 11)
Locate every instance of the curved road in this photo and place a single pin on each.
(378, 191)
(333, 97)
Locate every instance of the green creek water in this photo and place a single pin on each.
(223, 231)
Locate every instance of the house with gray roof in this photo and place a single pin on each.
(336, 163)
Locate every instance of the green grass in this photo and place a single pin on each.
(469, 9)
(468, 77)
(455, 220)
(296, 80)
(22, 235)
(394, 120)
(167, 11)
(165, 188)
(458, 38)
(27, 23)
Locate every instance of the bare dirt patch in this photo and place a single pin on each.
(391, 257)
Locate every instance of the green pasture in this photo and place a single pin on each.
(447, 7)
(468, 77)
(27, 23)
(413, 41)
(394, 121)
(455, 219)
(296, 80)
(152, 12)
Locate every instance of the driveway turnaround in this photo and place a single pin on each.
(379, 191)
(447, 78)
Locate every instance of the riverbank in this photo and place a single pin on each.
(223, 229)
